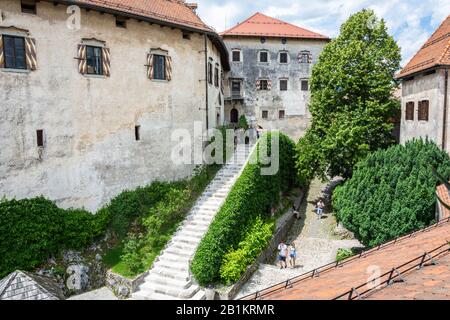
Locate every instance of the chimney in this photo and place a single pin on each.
(192, 6)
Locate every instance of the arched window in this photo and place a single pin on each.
(234, 115)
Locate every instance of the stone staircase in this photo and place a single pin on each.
(170, 278)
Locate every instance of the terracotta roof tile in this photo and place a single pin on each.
(435, 52)
(338, 280)
(262, 25)
(445, 196)
(173, 11)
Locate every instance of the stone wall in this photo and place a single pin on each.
(90, 154)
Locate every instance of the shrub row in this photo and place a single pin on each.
(33, 229)
(253, 195)
(392, 192)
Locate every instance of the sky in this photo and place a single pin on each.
(411, 22)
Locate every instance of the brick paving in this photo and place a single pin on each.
(337, 281)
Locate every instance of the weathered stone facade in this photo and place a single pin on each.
(423, 87)
(90, 153)
(293, 101)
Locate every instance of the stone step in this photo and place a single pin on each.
(158, 279)
(179, 252)
(186, 239)
(176, 292)
(171, 273)
(175, 266)
(173, 257)
(194, 223)
(183, 246)
(192, 232)
(197, 229)
(151, 295)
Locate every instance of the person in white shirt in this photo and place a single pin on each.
(282, 254)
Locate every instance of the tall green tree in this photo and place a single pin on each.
(351, 102)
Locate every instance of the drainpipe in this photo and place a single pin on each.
(206, 82)
(444, 130)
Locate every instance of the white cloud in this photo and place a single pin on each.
(404, 18)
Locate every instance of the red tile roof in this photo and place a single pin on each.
(173, 11)
(262, 25)
(445, 196)
(335, 281)
(435, 52)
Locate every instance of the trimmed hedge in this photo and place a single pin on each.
(392, 192)
(31, 230)
(253, 195)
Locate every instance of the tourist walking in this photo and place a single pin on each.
(296, 213)
(319, 209)
(282, 254)
(292, 255)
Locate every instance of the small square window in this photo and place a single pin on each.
(265, 114)
(305, 85)
(236, 56)
(264, 84)
(28, 6)
(263, 57)
(186, 36)
(281, 114)
(40, 138)
(121, 22)
(283, 57)
(283, 85)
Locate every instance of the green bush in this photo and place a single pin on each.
(31, 230)
(252, 195)
(343, 254)
(235, 262)
(243, 124)
(392, 192)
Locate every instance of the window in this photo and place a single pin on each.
(121, 22)
(283, 57)
(236, 56)
(409, 111)
(283, 40)
(305, 85)
(281, 114)
(264, 85)
(137, 133)
(210, 75)
(305, 57)
(263, 40)
(263, 56)
(14, 51)
(283, 85)
(159, 67)
(265, 114)
(94, 60)
(423, 110)
(216, 76)
(40, 138)
(236, 88)
(186, 35)
(28, 6)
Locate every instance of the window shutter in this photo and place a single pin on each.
(258, 85)
(168, 68)
(82, 60)
(150, 66)
(30, 52)
(2, 58)
(310, 57)
(106, 55)
(269, 85)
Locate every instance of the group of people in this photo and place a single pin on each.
(285, 251)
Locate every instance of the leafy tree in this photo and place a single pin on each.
(243, 122)
(392, 192)
(351, 103)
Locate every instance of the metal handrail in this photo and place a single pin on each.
(424, 258)
(333, 265)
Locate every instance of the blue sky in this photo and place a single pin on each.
(411, 22)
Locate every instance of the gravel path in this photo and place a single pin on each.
(314, 239)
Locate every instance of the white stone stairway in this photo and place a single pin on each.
(170, 278)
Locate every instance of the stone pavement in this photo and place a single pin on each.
(314, 239)
(100, 294)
